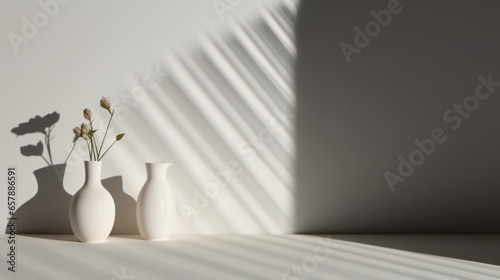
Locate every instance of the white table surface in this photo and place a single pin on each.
(251, 257)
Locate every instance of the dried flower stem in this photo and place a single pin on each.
(105, 134)
(93, 142)
(107, 149)
(86, 131)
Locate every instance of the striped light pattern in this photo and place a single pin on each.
(236, 257)
(224, 117)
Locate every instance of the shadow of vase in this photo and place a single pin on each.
(48, 211)
(125, 217)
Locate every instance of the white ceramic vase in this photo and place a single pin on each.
(92, 209)
(156, 204)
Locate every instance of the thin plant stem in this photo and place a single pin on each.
(90, 151)
(92, 157)
(107, 150)
(94, 146)
(93, 142)
(106, 133)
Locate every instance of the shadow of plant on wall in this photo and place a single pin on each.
(43, 125)
(47, 211)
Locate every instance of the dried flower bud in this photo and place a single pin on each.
(77, 131)
(85, 131)
(87, 114)
(105, 104)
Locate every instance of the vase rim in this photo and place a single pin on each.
(92, 163)
(159, 162)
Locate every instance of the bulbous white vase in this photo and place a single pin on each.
(156, 204)
(92, 209)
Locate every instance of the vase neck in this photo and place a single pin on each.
(93, 172)
(157, 170)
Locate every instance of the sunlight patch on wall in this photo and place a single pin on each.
(225, 118)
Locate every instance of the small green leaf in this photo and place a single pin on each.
(119, 136)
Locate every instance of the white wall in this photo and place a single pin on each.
(203, 115)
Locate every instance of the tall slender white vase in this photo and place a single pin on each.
(92, 209)
(156, 204)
